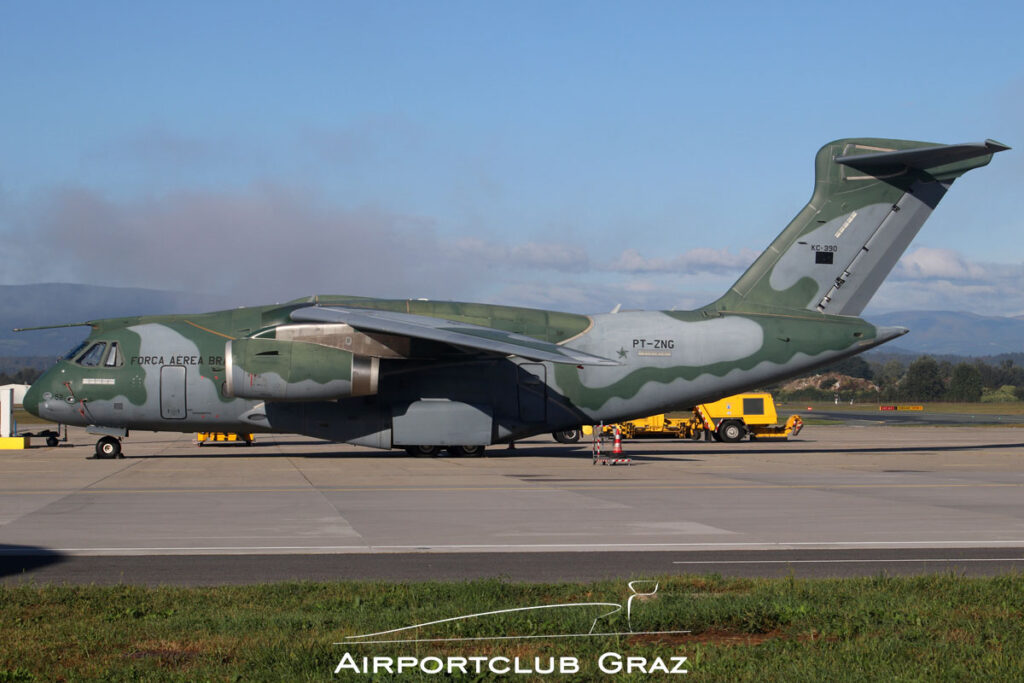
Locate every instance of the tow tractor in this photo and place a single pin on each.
(730, 419)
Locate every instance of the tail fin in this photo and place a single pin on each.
(871, 196)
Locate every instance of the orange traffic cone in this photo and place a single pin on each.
(617, 446)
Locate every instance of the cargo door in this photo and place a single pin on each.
(533, 392)
(172, 392)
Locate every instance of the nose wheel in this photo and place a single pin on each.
(108, 448)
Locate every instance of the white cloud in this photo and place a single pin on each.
(928, 263)
(698, 260)
(531, 255)
(942, 279)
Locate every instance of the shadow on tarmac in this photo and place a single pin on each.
(690, 454)
(23, 559)
(498, 451)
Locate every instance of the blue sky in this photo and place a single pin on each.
(555, 154)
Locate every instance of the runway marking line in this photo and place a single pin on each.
(852, 561)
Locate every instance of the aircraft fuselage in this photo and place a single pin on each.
(171, 373)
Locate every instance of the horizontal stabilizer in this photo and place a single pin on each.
(451, 332)
(922, 158)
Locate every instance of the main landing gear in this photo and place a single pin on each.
(108, 448)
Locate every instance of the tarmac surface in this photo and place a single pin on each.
(837, 501)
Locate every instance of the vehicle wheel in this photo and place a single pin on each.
(423, 451)
(731, 431)
(466, 451)
(697, 434)
(567, 435)
(108, 447)
(52, 441)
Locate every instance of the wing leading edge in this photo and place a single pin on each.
(451, 332)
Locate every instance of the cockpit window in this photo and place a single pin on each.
(113, 356)
(92, 357)
(74, 352)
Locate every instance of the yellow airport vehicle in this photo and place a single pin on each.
(751, 414)
(659, 427)
(206, 437)
(730, 419)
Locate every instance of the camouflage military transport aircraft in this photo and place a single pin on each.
(428, 375)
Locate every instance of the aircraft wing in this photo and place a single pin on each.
(449, 332)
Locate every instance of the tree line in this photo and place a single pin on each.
(20, 376)
(923, 379)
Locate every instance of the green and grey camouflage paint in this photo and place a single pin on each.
(388, 373)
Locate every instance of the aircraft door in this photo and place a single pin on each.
(533, 392)
(172, 392)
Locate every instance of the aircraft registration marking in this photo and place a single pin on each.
(654, 344)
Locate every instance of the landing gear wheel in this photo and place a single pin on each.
(466, 451)
(52, 441)
(423, 451)
(567, 435)
(731, 431)
(108, 448)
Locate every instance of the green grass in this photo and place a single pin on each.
(910, 629)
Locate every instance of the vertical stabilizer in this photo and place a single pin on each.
(871, 196)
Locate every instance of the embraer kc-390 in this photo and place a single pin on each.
(428, 375)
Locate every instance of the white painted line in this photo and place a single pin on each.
(764, 544)
(926, 559)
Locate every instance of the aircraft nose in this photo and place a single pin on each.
(33, 397)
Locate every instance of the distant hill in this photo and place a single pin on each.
(56, 304)
(954, 333)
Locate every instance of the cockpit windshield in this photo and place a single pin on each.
(114, 357)
(74, 352)
(93, 356)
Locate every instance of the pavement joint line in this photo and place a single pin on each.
(617, 486)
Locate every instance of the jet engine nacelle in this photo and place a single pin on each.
(281, 370)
